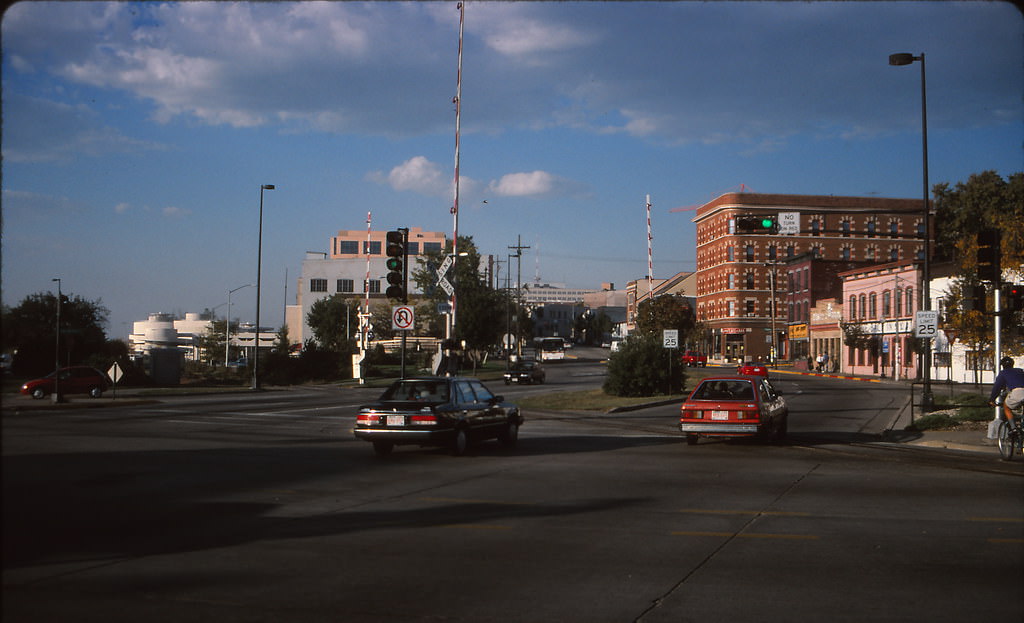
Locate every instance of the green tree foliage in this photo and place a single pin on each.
(985, 201)
(480, 310)
(591, 327)
(328, 318)
(642, 367)
(29, 330)
(667, 312)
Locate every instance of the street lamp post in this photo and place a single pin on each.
(227, 324)
(56, 369)
(259, 266)
(927, 401)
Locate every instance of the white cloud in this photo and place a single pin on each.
(533, 184)
(175, 212)
(417, 174)
(122, 208)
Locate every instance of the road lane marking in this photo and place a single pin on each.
(701, 511)
(748, 535)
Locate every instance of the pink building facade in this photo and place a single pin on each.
(879, 303)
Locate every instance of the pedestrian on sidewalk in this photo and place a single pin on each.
(1010, 379)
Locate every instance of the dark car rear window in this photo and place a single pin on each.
(724, 390)
(425, 391)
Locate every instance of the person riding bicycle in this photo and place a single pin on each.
(1012, 380)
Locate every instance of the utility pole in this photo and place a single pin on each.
(519, 283)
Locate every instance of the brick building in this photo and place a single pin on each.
(734, 269)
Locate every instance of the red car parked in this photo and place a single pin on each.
(750, 368)
(734, 406)
(73, 380)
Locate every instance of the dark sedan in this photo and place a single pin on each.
(437, 411)
(525, 372)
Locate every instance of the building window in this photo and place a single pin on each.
(872, 306)
(845, 228)
(318, 285)
(894, 228)
(816, 252)
(346, 285)
(898, 299)
(750, 281)
(413, 247)
(772, 251)
(431, 247)
(920, 254)
(374, 286)
(732, 226)
(371, 247)
(846, 253)
(732, 281)
(894, 254)
(732, 308)
(872, 226)
(750, 308)
(815, 227)
(886, 304)
(348, 247)
(920, 229)
(853, 307)
(750, 253)
(910, 301)
(789, 316)
(870, 253)
(729, 254)
(790, 251)
(863, 307)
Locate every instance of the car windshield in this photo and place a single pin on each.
(724, 390)
(417, 390)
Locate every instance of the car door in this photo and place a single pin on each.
(470, 409)
(493, 413)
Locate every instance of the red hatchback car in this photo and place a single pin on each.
(73, 380)
(758, 369)
(734, 406)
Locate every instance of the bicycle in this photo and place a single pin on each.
(1010, 437)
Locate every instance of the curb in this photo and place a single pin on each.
(828, 376)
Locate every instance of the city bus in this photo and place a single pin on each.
(551, 348)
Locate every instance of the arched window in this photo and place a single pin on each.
(853, 308)
(872, 306)
(886, 304)
(750, 281)
(750, 253)
(898, 299)
(863, 307)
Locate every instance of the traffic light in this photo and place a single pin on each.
(767, 224)
(988, 255)
(1013, 298)
(396, 252)
(973, 298)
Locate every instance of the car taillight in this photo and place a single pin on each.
(424, 420)
(693, 414)
(367, 419)
(747, 415)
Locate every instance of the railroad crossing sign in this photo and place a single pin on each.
(403, 317)
(441, 280)
(446, 286)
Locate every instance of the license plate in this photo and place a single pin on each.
(396, 420)
(719, 415)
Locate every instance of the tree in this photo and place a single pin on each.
(641, 368)
(591, 328)
(666, 312)
(985, 201)
(328, 318)
(29, 329)
(480, 310)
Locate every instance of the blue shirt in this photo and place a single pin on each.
(1010, 378)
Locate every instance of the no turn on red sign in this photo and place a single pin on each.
(403, 318)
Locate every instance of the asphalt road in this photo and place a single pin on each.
(264, 508)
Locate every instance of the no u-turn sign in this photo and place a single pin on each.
(403, 318)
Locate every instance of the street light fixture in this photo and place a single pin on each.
(227, 324)
(899, 60)
(259, 267)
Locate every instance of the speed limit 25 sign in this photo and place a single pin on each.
(926, 323)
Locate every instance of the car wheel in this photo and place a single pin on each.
(460, 442)
(96, 392)
(780, 426)
(509, 435)
(38, 394)
(691, 439)
(383, 448)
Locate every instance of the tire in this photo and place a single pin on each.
(1007, 440)
(780, 429)
(509, 436)
(691, 439)
(460, 442)
(383, 448)
(96, 392)
(38, 394)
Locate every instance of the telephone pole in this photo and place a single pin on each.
(519, 283)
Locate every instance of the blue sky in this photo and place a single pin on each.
(136, 135)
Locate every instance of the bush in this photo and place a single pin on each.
(641, 367)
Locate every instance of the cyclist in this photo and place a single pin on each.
(1012, 380)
